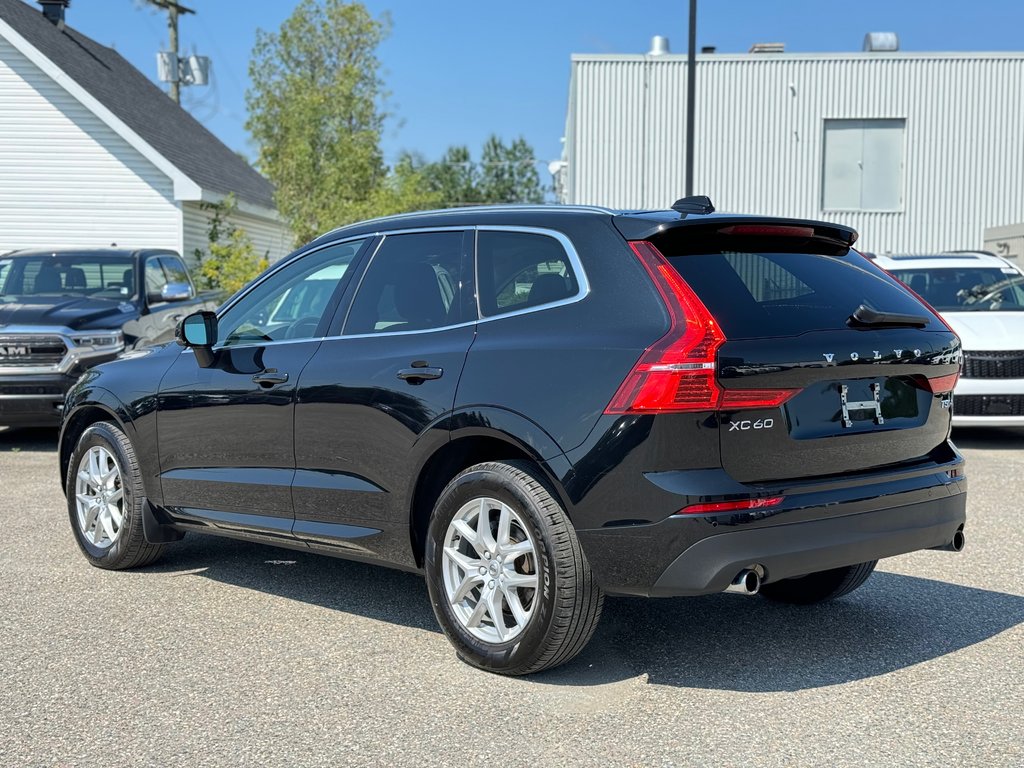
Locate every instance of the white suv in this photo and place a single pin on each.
(981, 296)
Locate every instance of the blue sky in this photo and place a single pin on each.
(459, 70)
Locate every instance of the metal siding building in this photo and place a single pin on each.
(943, 162)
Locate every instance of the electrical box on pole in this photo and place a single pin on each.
(196, 70)
(184, 70)
(171, 66)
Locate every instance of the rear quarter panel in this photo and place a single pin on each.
(559, 367)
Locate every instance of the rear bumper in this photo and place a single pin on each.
(783, 551)
(820, 524)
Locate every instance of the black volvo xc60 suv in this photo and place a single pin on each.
(538, 406)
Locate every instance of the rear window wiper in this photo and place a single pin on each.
(866, 317)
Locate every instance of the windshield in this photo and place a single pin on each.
(92, 276)
(967, 289)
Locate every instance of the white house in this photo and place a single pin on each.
(918, 151)
(93, 153)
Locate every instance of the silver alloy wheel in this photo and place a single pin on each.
(99, 497)
(490, 570)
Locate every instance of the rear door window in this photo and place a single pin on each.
(412, 284)
(762, 293)
(518, 270)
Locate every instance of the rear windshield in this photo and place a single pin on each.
(967, 289)
(764, 294)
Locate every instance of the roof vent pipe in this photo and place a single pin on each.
(53, 10)
(659, 46)
(881, 41)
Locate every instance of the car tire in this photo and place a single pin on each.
(103, 482)
(500, 543)
(820, 586)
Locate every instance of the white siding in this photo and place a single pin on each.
(66, 179)
(760, 136)
(270, 237)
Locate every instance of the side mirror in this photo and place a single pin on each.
(176, 292)
(198, 332)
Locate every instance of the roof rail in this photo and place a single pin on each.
(974, 251)
(547, 208)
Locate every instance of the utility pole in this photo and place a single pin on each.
(691, 92)
(173, 8)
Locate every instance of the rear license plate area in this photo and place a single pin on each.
(852, 406)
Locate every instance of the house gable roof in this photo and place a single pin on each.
(114, 88)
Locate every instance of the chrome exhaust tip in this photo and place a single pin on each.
(747, 582)
(956, 545)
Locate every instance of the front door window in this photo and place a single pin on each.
(290, 304)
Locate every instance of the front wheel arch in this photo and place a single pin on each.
(79, 420)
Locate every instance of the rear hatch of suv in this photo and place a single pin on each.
(815, 361)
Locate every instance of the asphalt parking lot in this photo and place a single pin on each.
(228, 653)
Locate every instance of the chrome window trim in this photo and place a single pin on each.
(582, 281)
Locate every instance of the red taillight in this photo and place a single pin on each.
(730, 506)
(677, 373)
(939, 384)
(755, 398)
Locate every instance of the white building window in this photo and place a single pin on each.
(863, 168)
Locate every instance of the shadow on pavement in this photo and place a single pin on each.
(737, 643)
(14, 439)
(992, 438)
(721, 642)
(367, 590)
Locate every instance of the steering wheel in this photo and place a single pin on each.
(302, 328)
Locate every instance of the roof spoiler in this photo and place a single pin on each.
(642, 228)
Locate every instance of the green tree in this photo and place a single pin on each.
(405, 188)
(505, 174)
(230, 260)
(455, 177)
(315, 115)
(508, 174)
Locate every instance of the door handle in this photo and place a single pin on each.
(420, 373)
(270, 377)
